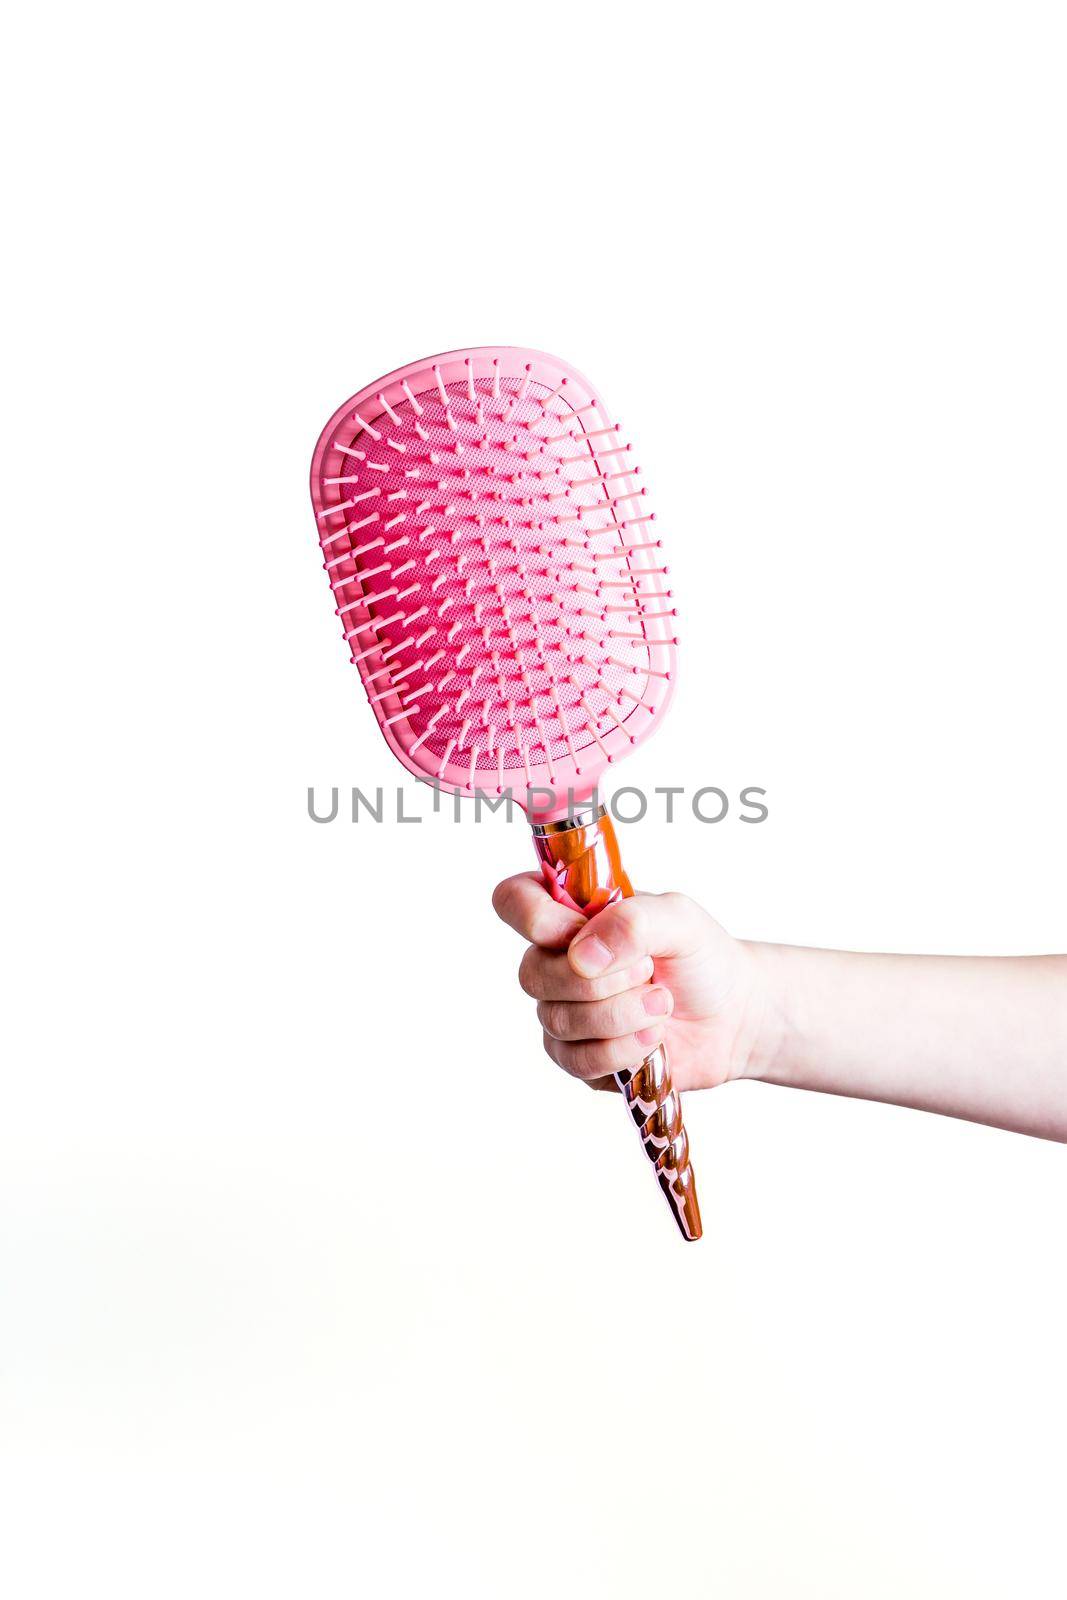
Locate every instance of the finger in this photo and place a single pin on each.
(525, 904)
(645, 925)
(548, 975)
(596, 1058)
(617, 1018)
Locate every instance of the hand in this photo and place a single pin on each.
(648, 970)
(981, 1037)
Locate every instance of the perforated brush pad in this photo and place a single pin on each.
(497, 573)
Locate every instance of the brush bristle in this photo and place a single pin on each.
(496, 572)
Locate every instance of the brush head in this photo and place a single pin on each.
(497, 574)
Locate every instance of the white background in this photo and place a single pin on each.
(318, 1280)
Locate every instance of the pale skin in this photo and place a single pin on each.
(982, 1038)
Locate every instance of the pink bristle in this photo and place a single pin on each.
(365, 426)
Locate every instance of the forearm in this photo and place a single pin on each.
(981, 1038)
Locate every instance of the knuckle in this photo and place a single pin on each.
(675, 900)
(567, 1056)
(593, 990)
(617, 1015)
(592, 1058)
(528, 974)
(539, 925)
(570, 1057)
(644, 970)
(602, 1018)
(550, 924)
(504, 898)
(620, 1052)
(679, 905)
(634, 919)
(552, 1015)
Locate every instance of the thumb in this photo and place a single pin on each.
(645, 925)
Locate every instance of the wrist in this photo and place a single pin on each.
(769, 1047)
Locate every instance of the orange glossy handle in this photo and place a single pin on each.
(582, 869)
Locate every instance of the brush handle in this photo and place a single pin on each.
(582, 869)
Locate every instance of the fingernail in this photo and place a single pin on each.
(591, 956)
(657, 1002)
(648, 1036)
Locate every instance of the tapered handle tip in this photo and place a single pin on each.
(681, 1191)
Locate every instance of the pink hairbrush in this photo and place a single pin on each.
(504, 597)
